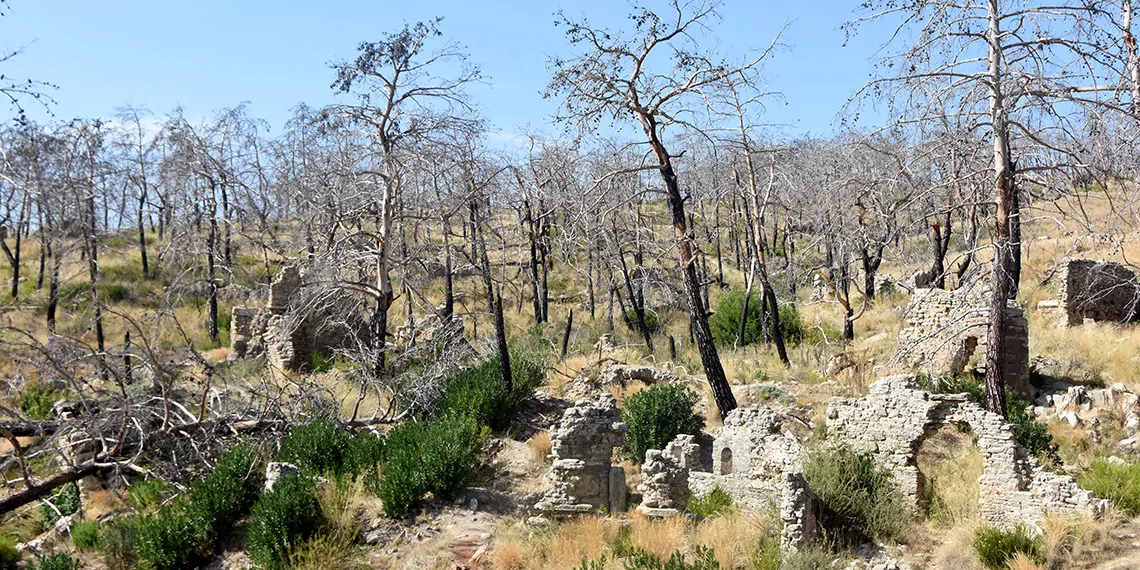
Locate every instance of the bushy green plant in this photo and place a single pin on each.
(114, 292)
(858, 500)
(438, 457)
(768, 555)
(9, 556)
(146, 495)
(317, 447)
(1117, 482)
(652, 321)
(171, 539)
(996, 546)
(282, 519)
(55, 561)
(117, 544)
(85, 534)
(65, 502)
(810, 558)
(725, 321)
(703, 559)
(656, 416)
(716, 502)
(37, 399)
(363, 458)
(219, 499)
(478, 392)
(321, 361)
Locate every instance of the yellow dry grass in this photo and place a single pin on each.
(657, 536)
(539, 445)
(733, 538)
(584, 538)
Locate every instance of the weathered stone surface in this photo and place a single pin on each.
(623, 374)
(582, 445)
(797, 512)
(892, 421)
(1097, 290)
(276, 471)
(665, 482)
(945, 328)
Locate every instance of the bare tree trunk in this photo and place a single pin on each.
(566, 335)
(1003, 199)
(448, 281)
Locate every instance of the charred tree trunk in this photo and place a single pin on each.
(448, 280)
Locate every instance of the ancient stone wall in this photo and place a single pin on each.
(750, 455)
(945, 328)
(893, 420)
(1098, 290)
(292, 327)
(582, 477)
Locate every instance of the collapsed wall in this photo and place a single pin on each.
(296, 323)
(894, 419)
(1097, 290)
(945, 328)
(582, 477)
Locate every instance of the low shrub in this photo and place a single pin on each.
(117, 544)
(996, 547)
(281, 520)
(716, 502)
(9, 556)
(218, 500)
(317, 447)
(56, 561)
(1117, 482)
(725, 321)
(478, 392)
(37, 399)
(768, 555)
(171, 539)
(652, 321)
(810, 558)
(656, 416)
(85, 534)
(65, 502)
(146, 495)
(858, 500)
(437, 457)
(703, 559)
(364, 457)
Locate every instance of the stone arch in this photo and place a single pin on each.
(726, 466)
(949, 466)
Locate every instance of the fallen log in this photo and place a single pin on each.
(37, 491)
(30, 429)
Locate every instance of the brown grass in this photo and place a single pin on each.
(733, 537)
(539, 445)
(510, 555)
(1022, 562)
(582, 538)
(657, 536)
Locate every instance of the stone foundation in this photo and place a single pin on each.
(582, 477)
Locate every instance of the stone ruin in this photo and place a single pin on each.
(945, 328)
(1098, 291)
(582, 476)
(895, 418)
(294, 325)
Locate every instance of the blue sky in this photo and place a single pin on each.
(209, 54)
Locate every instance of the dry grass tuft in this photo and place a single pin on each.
(950, 465)
(733, 537)
(1022, 562)
(510, 555)
(540, 446)
(657, 536)
(582, 538)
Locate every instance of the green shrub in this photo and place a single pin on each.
(810, 558)
(321, 361)
(858, 500)
(768, 555)
(1031, 435)
(317, 447)
(656, 416)
(66, 502)
(995, 546)
(437, 457)
(478, 392)
(56, 561)
(652, 321)
(171, 539)
(364, 458)
(717, 502)
(1117, 482)
(703, 559)
(37, 399)
(114, 292)
(282, 519)
(85, 534)
(218, 500)
(146, 495)
(725, 321)
(117, 544)
(9, 556)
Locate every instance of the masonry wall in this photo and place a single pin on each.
(1098, 290)
(893, 420)
(945, 328)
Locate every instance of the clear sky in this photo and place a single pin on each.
(209, 54)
